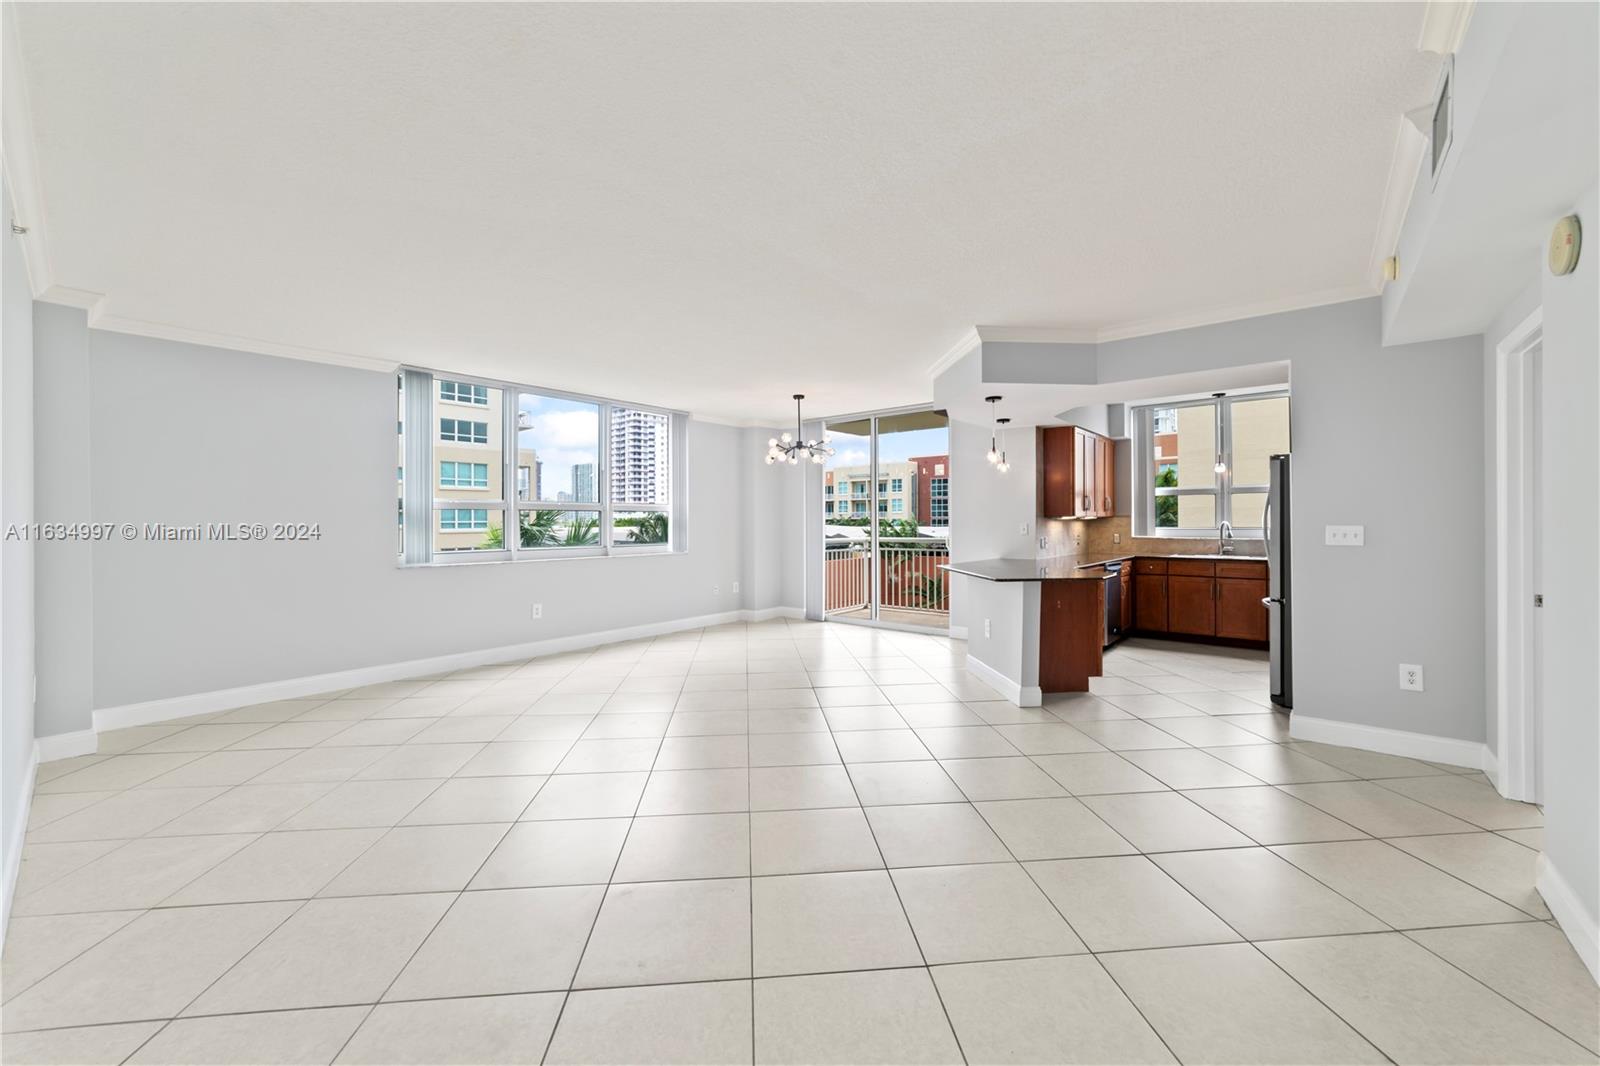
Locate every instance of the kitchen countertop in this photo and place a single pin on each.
(1064, 567)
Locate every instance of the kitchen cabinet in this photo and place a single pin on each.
(1204, 598)
(1072, 629)
(1150, 595)
(1240, 613)
(1076, 473)
(1191, 605)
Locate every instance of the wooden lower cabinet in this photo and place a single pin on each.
(1072, 630)
(1150, 602)
(1240, 613)
(1191, 605)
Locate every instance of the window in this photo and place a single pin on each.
(899, 506)
(533, 474)
(939, 501)
(897, 485)
(463, 392)
(463, 475)
(1204, 462)
(463, 431)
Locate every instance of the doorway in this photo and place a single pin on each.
(1519, 569)
(886, 520)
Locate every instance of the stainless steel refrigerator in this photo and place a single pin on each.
(1279, 599)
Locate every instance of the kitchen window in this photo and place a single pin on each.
(536, 474)
(1203, 462)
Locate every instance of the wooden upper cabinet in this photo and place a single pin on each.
(1191, 605)
(1075, 469)
(1056, 472)
(1240, 613)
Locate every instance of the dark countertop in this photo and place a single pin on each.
(1059, 568)
(1065, 567)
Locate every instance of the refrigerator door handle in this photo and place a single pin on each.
(1268, 601)
(1266, 529)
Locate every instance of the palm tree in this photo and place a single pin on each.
(650, 529)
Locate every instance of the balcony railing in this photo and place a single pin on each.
(909, 578)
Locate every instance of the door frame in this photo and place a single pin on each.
(1516, 496)
(874, 554)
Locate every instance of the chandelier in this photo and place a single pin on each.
(790, 449)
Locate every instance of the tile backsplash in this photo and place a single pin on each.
(1097, 537)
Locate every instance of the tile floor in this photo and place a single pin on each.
(784, 843)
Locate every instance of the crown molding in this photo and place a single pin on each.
(1444, 24)
(1037, 334)
(969, 340)
(167, 332)
(1405, 163)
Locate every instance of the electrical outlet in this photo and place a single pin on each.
(1411, 677)
(986, 630)
(716, 590)
(736, 588)
(1044, 543)
(1116, 538)
(1345, 536)
(537, 612)
(1023, 529)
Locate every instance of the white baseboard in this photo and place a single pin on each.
(66, 745)
(766, 614)
(1022, 696)
(1388, 741)
(18, 830)
(958, 632)
(1571, 915)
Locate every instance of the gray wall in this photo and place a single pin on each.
(1570, 686)
(63, 479)
(181, 433)
(1391, 439)
(16, 556)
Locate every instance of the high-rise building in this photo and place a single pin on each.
(583, 483)
(640, 466)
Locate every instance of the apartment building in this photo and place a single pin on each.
(933, 495)
(847, 491)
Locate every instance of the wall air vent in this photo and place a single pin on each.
(1443, 118)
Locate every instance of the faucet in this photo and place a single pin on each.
(1225, 539)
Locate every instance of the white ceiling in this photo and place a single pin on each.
(708, 206)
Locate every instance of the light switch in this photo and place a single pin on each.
(1345, 536)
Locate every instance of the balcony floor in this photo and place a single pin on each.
(927, 619)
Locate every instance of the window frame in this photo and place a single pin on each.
(419, 551)
(1223, 487)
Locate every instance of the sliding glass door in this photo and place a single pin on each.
(886, 518)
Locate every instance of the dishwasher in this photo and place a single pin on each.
(1113, 587)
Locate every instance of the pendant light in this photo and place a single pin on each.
(790, 449)
(1002, 465)
(994, 449)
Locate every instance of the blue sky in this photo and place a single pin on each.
(892, 447)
